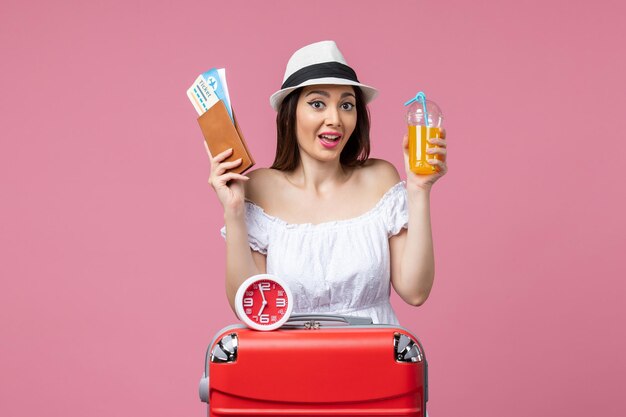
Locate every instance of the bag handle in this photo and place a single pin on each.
(315, 320)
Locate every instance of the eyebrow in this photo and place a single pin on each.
(325, 94)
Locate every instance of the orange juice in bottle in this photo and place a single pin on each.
(424, 120)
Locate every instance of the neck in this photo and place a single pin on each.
(316, 176)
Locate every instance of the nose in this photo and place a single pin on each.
(333, 117)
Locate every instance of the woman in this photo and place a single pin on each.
(337, 226)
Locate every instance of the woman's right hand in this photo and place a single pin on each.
(227, 185)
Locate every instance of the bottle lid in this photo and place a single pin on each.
(423, 112)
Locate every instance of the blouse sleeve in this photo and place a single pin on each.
(258, 228)
(396, 209)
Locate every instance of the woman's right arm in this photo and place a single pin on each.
(241, 261)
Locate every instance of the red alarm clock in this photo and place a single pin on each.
(264, 302)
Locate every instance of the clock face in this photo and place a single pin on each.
(264, 302)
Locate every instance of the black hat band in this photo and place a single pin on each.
(323, 70)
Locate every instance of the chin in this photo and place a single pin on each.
(329, 155)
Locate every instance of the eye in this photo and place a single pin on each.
(317, 104)
(347, 106)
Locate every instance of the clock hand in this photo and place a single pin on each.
(262, 294)
(262, 307)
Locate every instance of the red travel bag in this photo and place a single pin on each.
(316, 365)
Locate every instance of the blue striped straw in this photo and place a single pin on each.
(421, 97)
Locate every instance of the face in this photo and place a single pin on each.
(325, 119)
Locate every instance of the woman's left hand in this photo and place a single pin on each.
(426, 181)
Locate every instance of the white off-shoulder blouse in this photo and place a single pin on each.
(338, 267)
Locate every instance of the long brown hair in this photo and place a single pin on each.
(287, 158)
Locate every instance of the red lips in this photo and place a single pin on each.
(331, 134)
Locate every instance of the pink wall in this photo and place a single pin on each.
(112, 264)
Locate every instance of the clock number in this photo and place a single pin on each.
(281, 302)
(264, 319)
(264, 286)
(248, 302)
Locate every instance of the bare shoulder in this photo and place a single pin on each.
(379, 174)
(261, 180)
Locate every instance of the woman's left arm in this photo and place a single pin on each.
(412, 255)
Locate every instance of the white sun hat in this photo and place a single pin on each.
(318, 63)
